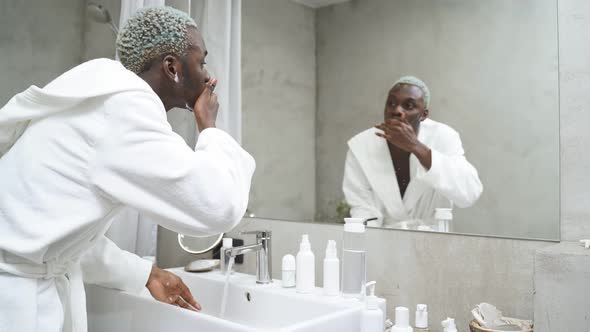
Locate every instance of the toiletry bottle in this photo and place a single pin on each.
(444, 218)
(354, 269)
(331, 270)
(305, 275)
(223, 258)
(288, 269)
(449, 325)
(382, 303)
(402, 320)
(421, 318)
(372, 316)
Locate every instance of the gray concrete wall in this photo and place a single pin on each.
(278, 105)
(562, 298)
(574, 68)
(37, 42)
(99, 39)
(492, 68)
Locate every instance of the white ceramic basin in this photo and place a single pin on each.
(250, 307)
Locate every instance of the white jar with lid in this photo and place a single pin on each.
(444, 218)
(288, 271)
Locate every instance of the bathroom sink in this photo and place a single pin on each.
(250, 307)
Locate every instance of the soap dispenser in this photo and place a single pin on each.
(449, 325)
(305, 274)
(372, 316)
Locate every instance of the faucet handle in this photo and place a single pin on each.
(259, 234)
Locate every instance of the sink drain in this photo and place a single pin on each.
(248, 296)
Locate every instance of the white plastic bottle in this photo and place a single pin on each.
(402, 320)
(444, 219)
(380, 301)
(331, 270)
(421, 318)
(372, 316)
(449, 325)
(305, 275)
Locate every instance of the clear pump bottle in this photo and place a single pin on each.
(354, 269)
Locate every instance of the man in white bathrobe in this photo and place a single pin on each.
(400, 171)
(93, 141)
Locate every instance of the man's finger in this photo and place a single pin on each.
(394, 122)
(182, 304)
(186, 294)
(211, 85)
(382, 135)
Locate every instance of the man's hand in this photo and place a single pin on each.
(168, 288)
(400, 133)
(206, 107)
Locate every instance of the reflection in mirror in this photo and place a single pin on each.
(406, 167)
(317, 78)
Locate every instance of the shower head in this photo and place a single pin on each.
(101, 15)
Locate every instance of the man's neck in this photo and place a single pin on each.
(156, 85)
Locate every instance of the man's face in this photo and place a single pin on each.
(194, 74)
(409, 100)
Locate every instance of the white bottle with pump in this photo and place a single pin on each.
(402, 320)
(305, 275)
(449, 325)
(331, 270)
(382, 303)
(372, 316)
(421, 318)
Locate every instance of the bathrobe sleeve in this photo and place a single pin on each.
(358, 192)
(107, 265)
(143, 164)
(451, 174)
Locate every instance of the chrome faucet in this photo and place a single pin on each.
(263, 257)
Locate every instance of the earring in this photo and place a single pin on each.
(176, 77)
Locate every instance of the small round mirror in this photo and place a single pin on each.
(199, 244)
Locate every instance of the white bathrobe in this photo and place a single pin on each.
(73, 154)
(370, 186)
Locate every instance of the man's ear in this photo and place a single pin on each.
(425, 115)
(170, 66)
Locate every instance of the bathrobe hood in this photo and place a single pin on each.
(95, 78)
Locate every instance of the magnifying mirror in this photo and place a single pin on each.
(199, 244)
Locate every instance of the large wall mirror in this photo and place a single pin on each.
(314, 78)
